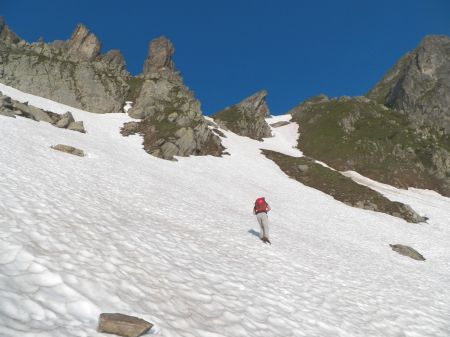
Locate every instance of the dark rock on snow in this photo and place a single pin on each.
(407, 251)
(123, 325)
(68, 149)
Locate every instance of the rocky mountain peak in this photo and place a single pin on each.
(255, 105)
(247, 118)
(6, 34)
(419, 84)
(83, 43)
(160, 51)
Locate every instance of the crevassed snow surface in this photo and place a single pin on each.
(174, 242)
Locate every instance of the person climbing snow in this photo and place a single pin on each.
(260, 210)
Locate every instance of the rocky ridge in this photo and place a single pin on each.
(419, 85)
(378, 142)
(247, 118)
(73, 72)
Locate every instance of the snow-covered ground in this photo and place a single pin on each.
(175, 242)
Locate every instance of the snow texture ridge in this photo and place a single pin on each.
(174, 242)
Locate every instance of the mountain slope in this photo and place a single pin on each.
(172, 242)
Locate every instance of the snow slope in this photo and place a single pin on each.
(175, 242)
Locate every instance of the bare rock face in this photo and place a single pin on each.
(407, 251)
(71, 72)
(171, 120)
(123, 325)
(160, 53)
(419, 84)
(7, 35)
(247, 118)
(83, 44)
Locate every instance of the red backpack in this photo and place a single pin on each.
(260, 205)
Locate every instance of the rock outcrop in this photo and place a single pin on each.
(247, 118)
(361, 135)
(71, 72)
(123, 325)
(12, 108)
(407, 251)
(419, 84)
(340, 187)
(171, 121)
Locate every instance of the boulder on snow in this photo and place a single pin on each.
(122, 325)
(68, 149)
(77, 126)
(407, 251)
(279, 124)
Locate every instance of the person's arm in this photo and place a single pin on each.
(254, 210)
(268, 208)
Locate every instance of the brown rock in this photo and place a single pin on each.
(68, 149)
(123, 325)
(160, 53)
(83, 43)
(407, 251)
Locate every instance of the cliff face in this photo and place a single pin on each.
(247, 118)
(72, 72)
(419, 84)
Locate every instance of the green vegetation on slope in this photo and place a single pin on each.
(342, 188)
(361, 135)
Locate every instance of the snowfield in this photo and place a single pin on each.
(176, 243)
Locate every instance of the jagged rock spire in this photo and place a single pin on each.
(247, 118)
(7, 35)
(83, 43)
(160, 51)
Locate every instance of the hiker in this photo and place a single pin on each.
(260, 210)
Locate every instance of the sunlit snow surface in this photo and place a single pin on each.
(174, 242)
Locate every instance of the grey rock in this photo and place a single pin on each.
(68, 149)
(76, 126)
(407, 251)
(65, 120)
(171, 120)
(280, 124)
(159, 57)
(303, 168)
(7, 35)
(71, 72)
(114, 57)
(247, 118)
(83, 44)
(123, 325)
(419, 84)
(32, 112)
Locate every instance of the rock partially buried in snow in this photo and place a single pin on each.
(407, 251)
(123, 325)
(279, 124)
(68, 149)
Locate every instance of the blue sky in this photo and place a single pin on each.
(227, 50)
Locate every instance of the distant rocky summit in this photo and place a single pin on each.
(419, 84)
(171, 122)
(247, 118)
(399, 133)
(72, 72)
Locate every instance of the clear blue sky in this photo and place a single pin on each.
(227, 50)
